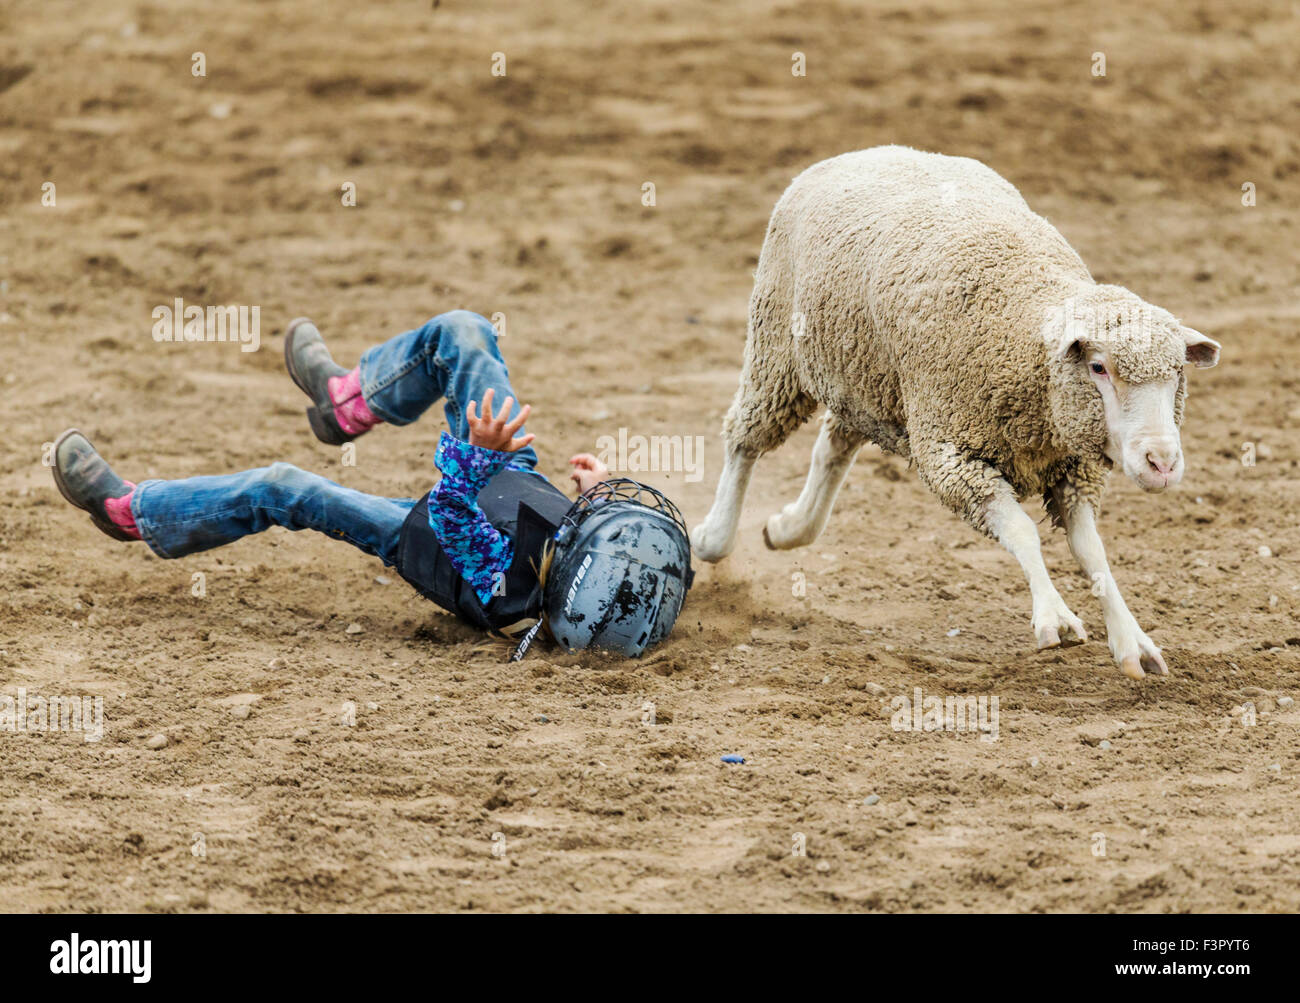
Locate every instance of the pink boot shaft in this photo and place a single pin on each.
(119, 511)
(350, 409)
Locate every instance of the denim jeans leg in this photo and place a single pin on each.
(186, 516)
(454, 356)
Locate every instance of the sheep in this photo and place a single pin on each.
(920, 300)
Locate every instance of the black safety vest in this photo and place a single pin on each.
(522, 506)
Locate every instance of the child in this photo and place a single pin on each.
(494, 542)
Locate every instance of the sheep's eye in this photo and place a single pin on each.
(1098, 368)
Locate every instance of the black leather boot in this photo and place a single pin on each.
(87, 481)
(310, 365)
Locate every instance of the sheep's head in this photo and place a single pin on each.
(1117, 358)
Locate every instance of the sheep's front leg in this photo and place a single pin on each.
(1132, 650)
(1012, 527)
(982, 496)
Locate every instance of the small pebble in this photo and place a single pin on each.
(157, 742)
(543, 719)
(1275, 768)
(823, 866)
(1285, 701)
(302, 735)
(1264, 551)
(241, 711)
(954, 632)
(872, 799)
(1104, 744)
(1033, 760)
(354, 628)
(275, 664)
(383, 580)
(825, 680)
(371, 705)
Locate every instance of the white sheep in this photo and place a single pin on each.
(932, 312)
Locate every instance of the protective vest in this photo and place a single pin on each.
(523, 506)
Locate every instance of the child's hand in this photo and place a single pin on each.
(495, 432)
(587, 471)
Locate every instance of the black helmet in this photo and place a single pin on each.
(620, 571)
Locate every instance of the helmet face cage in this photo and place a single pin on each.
(622, 489)
(575, 549)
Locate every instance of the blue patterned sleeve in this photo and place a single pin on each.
(473, 545)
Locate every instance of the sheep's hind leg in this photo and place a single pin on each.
(803, 520)
(982, 496)
(768, 406)
(713, 539)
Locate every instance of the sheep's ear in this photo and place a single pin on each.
(1202, 352)
(1071, 349)
(1065, 337)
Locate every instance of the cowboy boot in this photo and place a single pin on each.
(86, 480)
(338, 412)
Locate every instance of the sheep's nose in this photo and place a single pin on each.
(1159, 464)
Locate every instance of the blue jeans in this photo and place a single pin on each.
(454, 357)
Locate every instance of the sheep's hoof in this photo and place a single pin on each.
(1140, 657)
(1054, 624)
(703, 546)
(778, 533)
(1131, 666)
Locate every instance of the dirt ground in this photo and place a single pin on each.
(467, 783)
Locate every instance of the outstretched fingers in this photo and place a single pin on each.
(514, 426)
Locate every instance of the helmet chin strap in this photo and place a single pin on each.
(525, 642)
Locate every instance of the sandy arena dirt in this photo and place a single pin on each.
(522, 195)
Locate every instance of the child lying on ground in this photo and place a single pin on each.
(494, 542)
